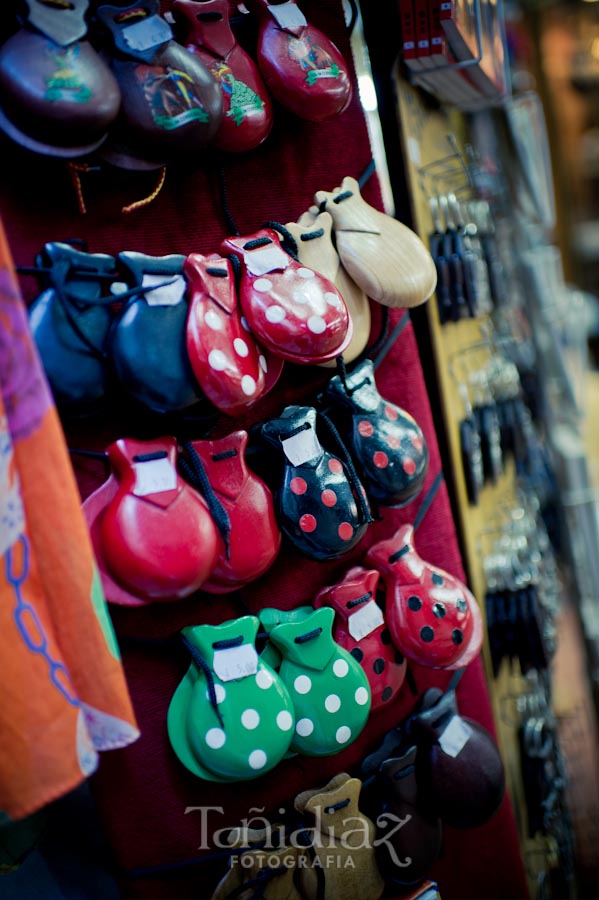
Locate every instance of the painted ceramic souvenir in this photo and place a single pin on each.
(231, 718)
(315, 249)
(148, 341)
(360, 628)
(329, 811)
(247, 109)
(329, 689)
(315, 500)
(405, 855)
(386, 443)
(433, 618)
(458, 767)
(172, 105)
(57, 96)
(253, 538)
(70, 322)
(384, 257)
(234, 371)
(158, 538)
(291, 309)
(302, 68)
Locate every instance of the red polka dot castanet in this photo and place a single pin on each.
(385, 441)
(361, 629)
(316, 502)
(433, 618)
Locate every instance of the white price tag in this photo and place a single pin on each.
(455, 737)
(266, 259)
(154, 476)
(302, 447)
(142, 36)
(364, 621)
(169, 295)
(288, 15)
(235, 662)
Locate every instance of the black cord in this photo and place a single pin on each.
(224, 200)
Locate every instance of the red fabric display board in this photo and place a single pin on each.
(143, 791)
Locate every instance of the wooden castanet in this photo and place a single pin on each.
(384, 257)
(316, 250)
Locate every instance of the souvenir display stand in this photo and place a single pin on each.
(159, 806)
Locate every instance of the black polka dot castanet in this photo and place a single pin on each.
(385, 441)
(316, 502)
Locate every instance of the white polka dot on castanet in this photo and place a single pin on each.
(248, 385)
(264, 679)
(241, 348)
(263, 363)
(285, 720)
(304, 727)
(250, 719)
(317, 325)
(361, 696)
(332, 703)
(217, 360)
(219, 691)
(262, 285)
(275, 314)
(302, 684)
(340, 668)
(215, 738)
(333, 300)
(343, 734)
(213, 320)
(305, 273)
(257, 759)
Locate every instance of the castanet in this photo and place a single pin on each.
(383, 256)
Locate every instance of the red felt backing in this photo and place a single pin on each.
(143, 791)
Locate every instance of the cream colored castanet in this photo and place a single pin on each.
(384, 257)
(315, 249)
(259, 863)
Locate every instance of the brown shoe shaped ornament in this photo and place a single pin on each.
(315, 249)
(262, 868)
(342, 849)
(172, 106)
(384, 257)
(408, 832)
(57, 96)
(458, 766)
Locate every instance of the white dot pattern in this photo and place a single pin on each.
(340, 668)
(300, 297)
(333, 300)
(264, 679)
(305, 273)
(302, 684)
(361, 696)
(275, 314)
(343, 734)
(332, 703)
(215, 738)
(213, 320)
(305, 727)
(262, 285)
(285, 720)
(263, 363)
(248, 385)
(257, 759)
(241, 348)
(220, 693)
(250, 719)
(316, 324)
(217, 360)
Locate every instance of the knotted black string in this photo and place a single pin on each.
(193, 471)
(203, 665)
(349, 464)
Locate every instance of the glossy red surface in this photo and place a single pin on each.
(160, 545)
